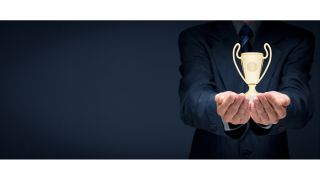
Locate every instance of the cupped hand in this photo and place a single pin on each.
(232, 107)
(269, 108)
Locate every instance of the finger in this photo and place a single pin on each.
(286, 100)
(273, 117)
(217, 100)
(243, 107)
(253, 112)
(282, 98)
(219, 97)
(233, 108)
(279, 109)
(244, 112)
(264, 118)
(238, 115)
(226, 102)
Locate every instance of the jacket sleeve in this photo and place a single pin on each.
(294, 83)
(197, 86)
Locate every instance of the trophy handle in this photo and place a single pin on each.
(234, 53)
(266, 45)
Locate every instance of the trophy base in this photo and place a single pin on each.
(251, 93)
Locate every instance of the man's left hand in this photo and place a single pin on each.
(269, 108)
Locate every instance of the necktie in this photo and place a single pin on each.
(245, 34)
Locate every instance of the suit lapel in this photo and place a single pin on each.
(225, 38)
(267, 34)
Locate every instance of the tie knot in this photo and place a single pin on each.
(246, 31)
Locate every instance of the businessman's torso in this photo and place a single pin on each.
(218, 40)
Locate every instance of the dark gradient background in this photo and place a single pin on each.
(106, 89)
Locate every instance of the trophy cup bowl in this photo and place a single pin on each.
(251, 63)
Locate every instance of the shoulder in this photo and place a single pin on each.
(203, 30)
(195, 31)
(290, 31)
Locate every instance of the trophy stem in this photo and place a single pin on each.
(251, 93)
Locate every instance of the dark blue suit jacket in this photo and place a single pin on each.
(207, 69)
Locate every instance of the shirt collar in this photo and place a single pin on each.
(254, 25)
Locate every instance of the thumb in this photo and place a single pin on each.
(217, 98)
(286, 100)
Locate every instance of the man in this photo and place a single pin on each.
(227, 124)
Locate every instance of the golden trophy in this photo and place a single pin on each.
(251, 63)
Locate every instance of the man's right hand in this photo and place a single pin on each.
(232, 107)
